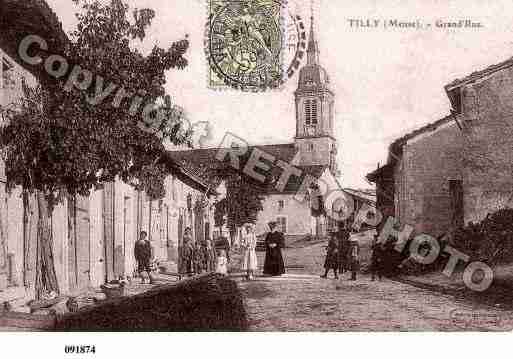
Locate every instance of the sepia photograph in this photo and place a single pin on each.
(261, 166)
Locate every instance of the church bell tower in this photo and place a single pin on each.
(315, 138)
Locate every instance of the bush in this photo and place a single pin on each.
(206, 303)
(490, 240)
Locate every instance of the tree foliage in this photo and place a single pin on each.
(58, 141)
(220, 213)
(243, 201)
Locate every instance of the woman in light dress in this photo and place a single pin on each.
(222, 263)
(248, 243)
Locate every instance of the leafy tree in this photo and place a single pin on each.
(243, 202)
(220, 213)
(58, 142)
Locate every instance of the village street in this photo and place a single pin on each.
(305, 302)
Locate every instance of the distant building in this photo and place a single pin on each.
(457, 169)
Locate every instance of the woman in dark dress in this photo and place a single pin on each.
(332, 257)
(274, 242)
(354, 257)
(343, 246)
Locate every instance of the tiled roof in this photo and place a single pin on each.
(20, 18)
(479, 74)
(294, 183)
(395, 149)
(367, 195)
(205, 165)
(397, 145)
(385, 171)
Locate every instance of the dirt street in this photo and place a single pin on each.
(302, 301)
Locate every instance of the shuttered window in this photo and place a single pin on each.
(314, 112)
(310, 112)
(281, 224)
(308, 119)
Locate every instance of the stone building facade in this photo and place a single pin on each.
(483, 105)
(458, 169)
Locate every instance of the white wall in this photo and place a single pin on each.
(298, 214)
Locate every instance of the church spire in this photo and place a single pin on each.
(313, 47)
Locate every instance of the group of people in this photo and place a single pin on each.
(343, 254)
(274, 242)
(199, 257)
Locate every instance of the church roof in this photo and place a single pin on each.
(203, 164)
(294, 183)
(312, 76)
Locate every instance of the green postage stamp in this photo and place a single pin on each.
(244, 44)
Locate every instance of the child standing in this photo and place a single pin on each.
(199, 258)
(210, 254)
(222, 263)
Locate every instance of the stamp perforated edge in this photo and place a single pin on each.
(285, 70)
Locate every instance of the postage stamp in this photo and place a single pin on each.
(248, 41)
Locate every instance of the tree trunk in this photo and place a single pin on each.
(30, 218)
(232, 237)
(46, 279)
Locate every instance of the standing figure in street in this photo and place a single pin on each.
(224, 244)
(343, 246)
(376, 267)
(332, 257)
(274, 242)
(143, 255)
(248, 242)
(187, 253)
(210, 256)
(222, 263)
(199, 258)
(354, 257)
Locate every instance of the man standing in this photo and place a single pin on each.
(187, 253)
(343, 246)
(143, 255)
(274, 242)
(376, 260)
(354, 256)
(332, 257)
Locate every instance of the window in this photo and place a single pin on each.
(281, 224)
(281, 205)
(314, 112)
(311, 112)
(308, 119)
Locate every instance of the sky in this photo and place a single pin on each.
(387, 82)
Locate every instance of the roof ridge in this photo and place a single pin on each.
(220, 148)
(481, 73)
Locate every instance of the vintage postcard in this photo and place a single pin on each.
(255, 166)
